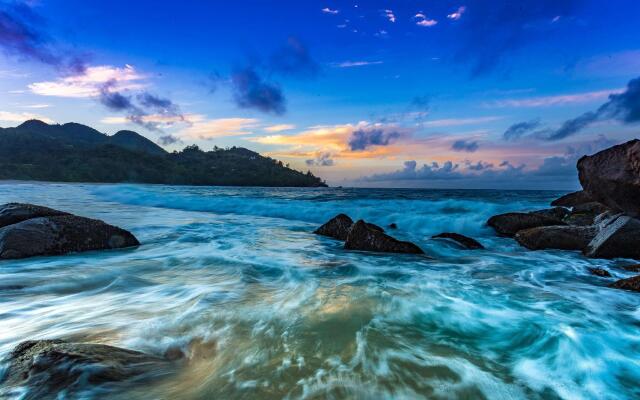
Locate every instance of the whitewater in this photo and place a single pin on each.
(264, 309)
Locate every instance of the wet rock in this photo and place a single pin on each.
(52, 369)
(612, 177)
(632, 268)
(12, 213)
(555, 212)
(617, 236)
(374, 227)
(572, 199)
(465, 241)
(632, 283)
(585, 214)
(337, 227)
(60, 235)
(556, 237)
(603, 273)
(363, 237)
(393, 226)
(510, 223)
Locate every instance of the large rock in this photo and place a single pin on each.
(585, 214)
(364, 237)
(337, 227)
(12, 213)
(555, 212)
(572, 199)
(510, 223)
(60, 235)
(465, 241)
(612, 177)
(618, 236)
(632, 283)
(556, 237)
(51, 369)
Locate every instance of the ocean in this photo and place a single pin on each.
(264, 309)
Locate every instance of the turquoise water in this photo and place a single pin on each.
(265, 309)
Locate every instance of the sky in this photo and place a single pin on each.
(435, 94)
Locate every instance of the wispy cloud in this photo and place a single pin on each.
(549, 101)
(90, 83)
(449, 122)
(328, 10)
(423, 20)
(322, 159)
(465, 145)
(351, 64)
(202, 128)
(390, 15)
(456, 15)
(7, 116)
(279, 128)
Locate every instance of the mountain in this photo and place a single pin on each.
(74, 152)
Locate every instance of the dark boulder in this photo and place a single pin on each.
(12, 213)
(510, 223)
(337, 227)
(393, 225)
(374, 227)
(632, 268)
(612, 177)
(556, 237)
(465, 241)
(51, 369)
(585, 214)
(363, 237)
(555, 212)
(572, 199)
(632, 283)
(617, 236)
(60, 235)
(603, 273)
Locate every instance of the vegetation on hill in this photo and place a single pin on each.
(77, 153)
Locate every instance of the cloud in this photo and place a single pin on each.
(456, 15)
(449, 122)
(422, 20)
(279, 128)
(623, 107)
(23, 34)
(294, 59)
(8, 116)
(202, 128)
(250, 90)
(167, 140)
(351, 64)
(478, 166)
(549, 101)
(361, 139)
(321, 160)
(328, 10)
(91, 82)
(491, 30)
(390, 15)
(516, 131)
(465, 145)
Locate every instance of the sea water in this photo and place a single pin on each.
(264, 309)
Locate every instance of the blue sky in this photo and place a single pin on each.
(394, 93)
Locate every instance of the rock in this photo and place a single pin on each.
(510, 223)
(617, 236)
(12, 213)
(374, 227)
(612, 177)
(337, 227)
(466, 242)
(585, 214)
(556, 237)
(555, 212)
(572, 199)
(52, 369)
(600, 272)
(632, 283)
(60, 235)
(363, 237)
(632, 268)
(393, 226)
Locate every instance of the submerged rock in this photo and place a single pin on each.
(612, 177)
(572, 199)
(617, 236)
(60, 235)
(12, 213)
(393, 225)
(632, 283)
(465, 241)
(632, 268)
(337, 227)
(556, 237)
(510, 223)
(363, 237)
(603, 273)
(50, 369)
